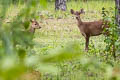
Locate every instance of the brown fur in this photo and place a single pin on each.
(88, 29)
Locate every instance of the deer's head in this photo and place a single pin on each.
(35, 24)
(77, 13)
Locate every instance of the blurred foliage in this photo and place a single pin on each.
(13, 40)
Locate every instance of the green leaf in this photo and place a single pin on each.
(61, 54)
(43, 3)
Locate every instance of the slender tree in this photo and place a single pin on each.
(60, 5)
(85, 0)
(117, 2)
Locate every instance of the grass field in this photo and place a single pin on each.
(59, 29)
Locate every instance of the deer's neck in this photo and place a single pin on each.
(32, 30)
(79, 21)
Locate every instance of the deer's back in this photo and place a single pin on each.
(91, 28)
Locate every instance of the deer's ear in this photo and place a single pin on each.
(82, 11)
(72, 11)
(32, 20)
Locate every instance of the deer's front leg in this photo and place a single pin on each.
(87, 43)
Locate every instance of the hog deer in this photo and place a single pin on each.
(88, 29)
(34, 25)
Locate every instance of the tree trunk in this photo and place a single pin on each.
(60, 5)
(84, 0)
(117, 12)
